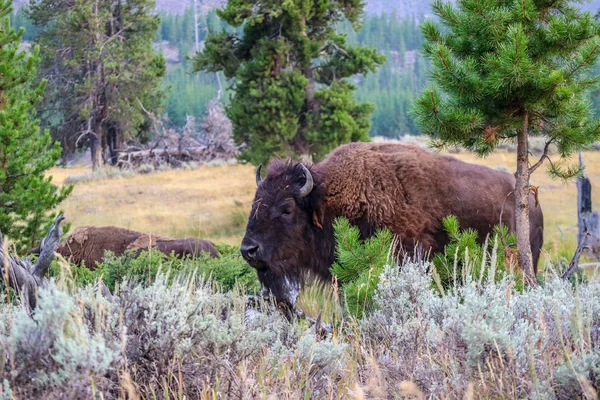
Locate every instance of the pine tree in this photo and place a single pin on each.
(465, 259)
(359, 264)
(27, 196)
(507, 70)
(290, 95)
(102, 69)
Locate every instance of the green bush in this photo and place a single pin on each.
(359, 264)
(465, 259)
(228, 271)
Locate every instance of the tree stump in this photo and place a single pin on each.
(22, 275)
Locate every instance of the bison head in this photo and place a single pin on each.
(283, 232)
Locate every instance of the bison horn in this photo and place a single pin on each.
(308, 186)
(258, 178)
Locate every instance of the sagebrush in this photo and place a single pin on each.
(175, 338)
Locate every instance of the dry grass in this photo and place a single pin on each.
(209, 202)
(213, 202)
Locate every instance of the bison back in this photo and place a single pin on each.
(410, 190)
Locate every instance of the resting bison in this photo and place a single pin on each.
(405, 188)
(88, 244)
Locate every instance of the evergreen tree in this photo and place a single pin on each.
(289, 66)
(19, 19)
(27, 196)
(506, 70)
(102, 69)
(359, 264)
(465, 259)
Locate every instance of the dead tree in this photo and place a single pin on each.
(23, 276)
(587, 219)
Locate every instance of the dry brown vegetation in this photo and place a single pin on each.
(208, 202)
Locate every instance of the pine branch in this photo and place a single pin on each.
(541, 160)
(586, 61)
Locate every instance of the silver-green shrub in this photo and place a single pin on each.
(541, 343)
(58, 351)
(179, 337)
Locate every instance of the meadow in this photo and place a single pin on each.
(213, 202)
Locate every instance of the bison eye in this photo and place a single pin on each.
(286, 211)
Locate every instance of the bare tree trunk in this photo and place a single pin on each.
(522, 204)
(196, 37)
(299, 143)
(219, 86)
(24, 276)
(574, 264)
(113, 144)
(96, 149)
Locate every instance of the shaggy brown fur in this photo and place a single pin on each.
(404, 188)
(88, 244)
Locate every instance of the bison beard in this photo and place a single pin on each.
(407, 189)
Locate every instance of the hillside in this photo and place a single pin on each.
(422, 8)
(403, 8)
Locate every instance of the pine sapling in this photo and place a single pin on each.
(359, 264)
(506, 71)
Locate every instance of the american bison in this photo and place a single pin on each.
(404, 188)
(88, 244)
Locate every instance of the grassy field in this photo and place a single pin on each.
(213, 201)
(481, 340)
(209, 202)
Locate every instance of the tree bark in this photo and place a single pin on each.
(24, 276)
(113, 144)
(196, 36)
(522, 204)
(96, 151)
(588, 220)
(574, 264)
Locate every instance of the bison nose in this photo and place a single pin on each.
(249, 251)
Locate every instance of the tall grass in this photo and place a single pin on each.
(180, 336)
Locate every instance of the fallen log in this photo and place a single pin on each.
(159, 152)
(23, 276)
(168, 156)
(588, 265)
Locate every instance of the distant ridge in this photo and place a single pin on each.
(418, 9)
(404, 8)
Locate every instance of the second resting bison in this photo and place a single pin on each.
(374, 185)
(88, 244)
